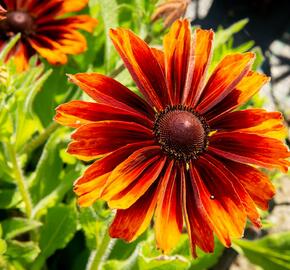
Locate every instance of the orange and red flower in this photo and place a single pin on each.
(183, 152)
(44, 29)
(170, 11)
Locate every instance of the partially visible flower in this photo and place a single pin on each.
(45, 29)
(170, 11)
(183, 152)
(2, 13)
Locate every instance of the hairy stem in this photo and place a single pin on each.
(21, 183)
(100, 255)
(40, 139)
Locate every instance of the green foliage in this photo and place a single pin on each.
(270, 252)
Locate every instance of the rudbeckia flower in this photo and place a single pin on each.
(171, 10)
(182, 154)
(45, 29)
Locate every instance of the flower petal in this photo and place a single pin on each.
(132, 178)
(21, 56)
(44, 9)
(143, 66)
(195, 216)
(177, 51)
(73, 5)
(256, 121)
(244, 196)
(106, 90)
(95, 139)
(250, 148)
(245, 89)
(225, 210)
(48, 49)
(159, 55)
(130, 223)
(83, 22)
(76, 113)
(168, 215)
(256, 183)
(197, 70)
(89, 186)
(224, 79)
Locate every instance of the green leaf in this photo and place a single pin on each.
(204, 260)
(4, 52)
(59, 228)
(9, 197)
(207, 260)
(56, 196)
(3, 245)
(150, 258)
(17, 226)
(49, 167)
(24, 252)
(130, 264)
(270, 252)
(223, 35)
(123, 250)
(94, 221)
(259, 58)
(109, 13)
(88, 220)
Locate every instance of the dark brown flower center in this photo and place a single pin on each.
(181, 132)
(20, 22)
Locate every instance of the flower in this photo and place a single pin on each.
(170, 11)
(45, 29)
(183, 151)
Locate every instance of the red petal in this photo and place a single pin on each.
(224, 79)
(250, 148)
(195, 216)
(159, 55)
(11, 4)
(48, 49)
(69, 41)
(246, 200)
(21, 56)
(256, 121)
(225, 210)
(73, 5)
(130, 223)
(89, 186)
(76, 113)
(44, 9)
(108, 91)
(143, 66)
(197, 70)
(245, 89)
(83, 22)
(177, 51)
(132, 178)
(256, 183)
(168, 221)
(103, 137)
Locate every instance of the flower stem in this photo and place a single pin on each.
(40, 140)
(21, 183)
(98, 256)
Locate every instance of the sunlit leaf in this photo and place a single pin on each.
(270, 252)
(16, 226)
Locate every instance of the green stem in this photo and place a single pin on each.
(21, 183)
(40, 140)
(101, 254)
